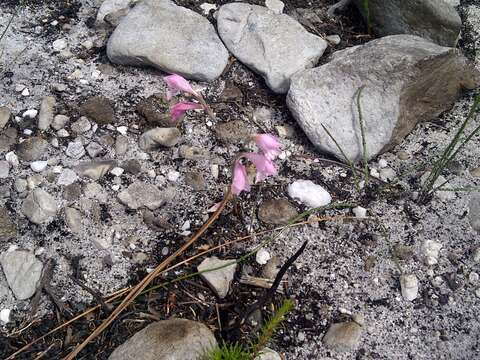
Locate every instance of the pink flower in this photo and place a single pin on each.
(240, 179)
(177, 84)
(265, 167)
(269, 145)
(178, 110)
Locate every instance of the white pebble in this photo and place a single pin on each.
(173, 175)
(186, 225)
(334, 39)
(27, 132)
(275, 5)
(122, 130)
(431, 250)
(12, 158)
(473, 277)
(382, 163)
(25, 92)
(374, 172)
(360, 212)
(117, 171)
(5, 316)
(62, 133)
(262, 256)
(19, 88)
(31, 113)
(38, 166)
(409, 287)
(115, 187)
(206, 7)
(309, 193)
(59, 44)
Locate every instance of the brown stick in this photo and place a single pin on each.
(148, 279)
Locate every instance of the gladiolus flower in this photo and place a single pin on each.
(265, 167)
(269, 145)
(240, 179)
(178, 110)
(177, 84)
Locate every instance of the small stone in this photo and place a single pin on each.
(8, 137)
(75, 149)
(8, 229)
(409, 287)
(193, 153)
(22, 271)
(47, 108)
(334, 39)
(474, 212)
(173, 175)
(62, 133)
(343, 336)
(121, 145)
(285, 131)
(219, 280)
(19, 88)
(195, 180)
(206, 8)
(262, 256)
(117, 171)
(94, 169)
(4, 169)
(30, 114)
(32, 149)
(275, 5)
(5, 115)
(132, 166)
(154, 138)
(67, 177)
(39, 207)
(140, 194)
(98, 109)
(475, 172)
(476, 255)
(387, 174)
(20, 185)
(59, 122)
(122, 130)
(94, 149)
(34, 181)
(73, 218)
(359, 212)
(59, 87)
(473, 277)
(81, 126)
(25, 92)
(431, 250)
(276, 211)
(39, 166)
(59, 44)
(309, 193)
(403, 155)
(12, 158)
(5, 316)
(173, 339)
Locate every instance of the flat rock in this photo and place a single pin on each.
(22, 271)
(343, 336)
(8, 229)
(140, 194)
(174, 339)
(219, 280)
(405, 80)
(39, 207)
(95, 169)
(435, 20)
(309, 193)
(276, 211)
(275, 46)
(98, 109)
(151, 34)
(5, 115)
(32, 149)
(47, 108)
(157, 137)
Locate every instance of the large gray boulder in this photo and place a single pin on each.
(275, 46)
(175, 339)
(435, 20)
(169, 37)
(405, 80)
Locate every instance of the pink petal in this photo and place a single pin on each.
(240, 179)
(269, 145)
(179, 109)
(176, 84)
(265, 167)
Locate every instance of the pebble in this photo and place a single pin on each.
(409, 287)
(475, 172)
(59, 121)
(343, 337)
(276, 211)
(73, 218)
(334, 39)
(59, 44)
(387, 174)
(157, 137)
(5, 115)
(268, 354)
(22, 271)
(309, 193)
(476, 255)
(360, 212)
(206, 8)
(12, 158)
(4, 169)
(75, 149)
(67, 177)
(173, 175)
(262, 256)
(431, 250)
(5, 316)
(39, 207)
(117, 171)
(121, 145)
(122, 130)
(94, 149)
(81, 126)
(47, 108)
(32, 149)
(275, 5)
(39, 166)
(219, 280)
(95, 169)
(20, 185)
(140, 194)
(474, 212)
(31, 114)
(62, 133)
(473, 277)
(26, 92)
(193, 153)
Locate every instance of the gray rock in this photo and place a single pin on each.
(435, 20)
(67, 177)
(409, 287)
(193, 153)
(151, 34)
(4, 169)
(275, 46)
(121, 145)
(113, 9)
(59, 121)
(431, 251)
(174, 339)
(32, 149)
(276, 211)
(8, 229)
(5, 115)
(405, 80)
(154, 138)
(20, 185)
(22, 271)
(75, 149)
(73, 219)
(95, 169)
(343, 336)
(268, 354)
(47, 108)
(94, 149)
(98, 109)
(81, 126)
(140, 194)
(219, 280)
(39, 207)
(8, 137)
(474, 212)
